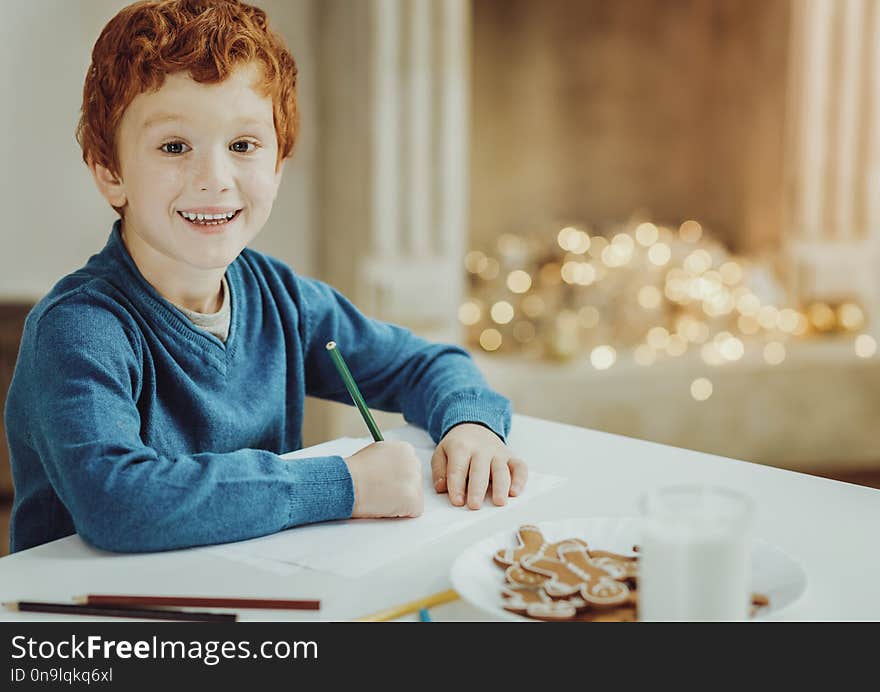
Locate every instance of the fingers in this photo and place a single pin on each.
(519, 474)
(478, 480)
(467, 476)
(457, 462)
(500, 481)
(438, 469)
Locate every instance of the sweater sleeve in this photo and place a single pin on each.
(125, 496)
(434, 386)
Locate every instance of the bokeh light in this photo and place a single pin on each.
(603, 357)
(469, 313)
(866, 346)
(659, 254)
(647, 234)
(851, 317)
(501, 312)
(519, 281)
(701, 388)
(690, 231)
(490, 339)
(475, 261)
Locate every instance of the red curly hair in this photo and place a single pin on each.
(148, 40)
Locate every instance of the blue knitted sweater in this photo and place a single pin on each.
(138, 431)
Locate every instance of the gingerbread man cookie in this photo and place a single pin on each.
(618, 566)
(535, 603)
(574, 572)
(530, 541)
(518, 576)
(568, 581)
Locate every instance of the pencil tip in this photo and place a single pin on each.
(10, 606)
(331, 345)
(80, 599)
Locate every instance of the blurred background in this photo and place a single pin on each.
(655, 218)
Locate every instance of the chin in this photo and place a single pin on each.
(214, 255)
(212, 263)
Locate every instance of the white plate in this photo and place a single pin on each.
(478, 580)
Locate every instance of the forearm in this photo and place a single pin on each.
(450, 390)
(434, 385)
(140, 501)
(129, 492)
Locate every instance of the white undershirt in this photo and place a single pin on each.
(216, 323)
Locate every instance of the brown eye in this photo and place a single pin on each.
(243, 149)
(173, 147)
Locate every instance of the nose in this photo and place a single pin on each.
(212, 172)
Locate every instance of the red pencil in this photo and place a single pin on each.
(198, 602)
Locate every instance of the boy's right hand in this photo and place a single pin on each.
(387, 479)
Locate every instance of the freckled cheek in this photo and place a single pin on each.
(257, 187)
(161, 187)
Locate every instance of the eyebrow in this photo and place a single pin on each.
(161, 118)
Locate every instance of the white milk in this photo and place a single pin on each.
(694, 555)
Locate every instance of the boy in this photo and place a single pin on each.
(157, 385)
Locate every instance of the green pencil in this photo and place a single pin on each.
(353, 390)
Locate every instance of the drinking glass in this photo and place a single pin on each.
(695, 554)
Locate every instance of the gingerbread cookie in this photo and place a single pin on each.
(535, 603)
(618, 566)
(530, 541)
(518, 576)
(566, 580)
(574, 572)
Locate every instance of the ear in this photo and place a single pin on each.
(110, 186)
(279, 170)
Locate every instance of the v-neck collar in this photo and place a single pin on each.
(172, 316)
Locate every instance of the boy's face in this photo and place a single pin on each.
(195, 148)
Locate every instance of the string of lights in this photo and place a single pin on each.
(647, 289)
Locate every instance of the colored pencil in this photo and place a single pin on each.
(141, 613)
(411, 607)
(353, 390)
(197, 602)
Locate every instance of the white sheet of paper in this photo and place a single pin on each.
(354, 547)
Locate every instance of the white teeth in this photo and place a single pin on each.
(207, 217)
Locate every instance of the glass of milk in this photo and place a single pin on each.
(695, 554)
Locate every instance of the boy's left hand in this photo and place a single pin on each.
(468, 459)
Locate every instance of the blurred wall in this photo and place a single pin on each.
(589, 110)
(54, 218)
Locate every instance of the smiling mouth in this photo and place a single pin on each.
(210, 220)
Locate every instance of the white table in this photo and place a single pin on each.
(827, 526)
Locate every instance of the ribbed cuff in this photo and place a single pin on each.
(321, 489)
(484, 407)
